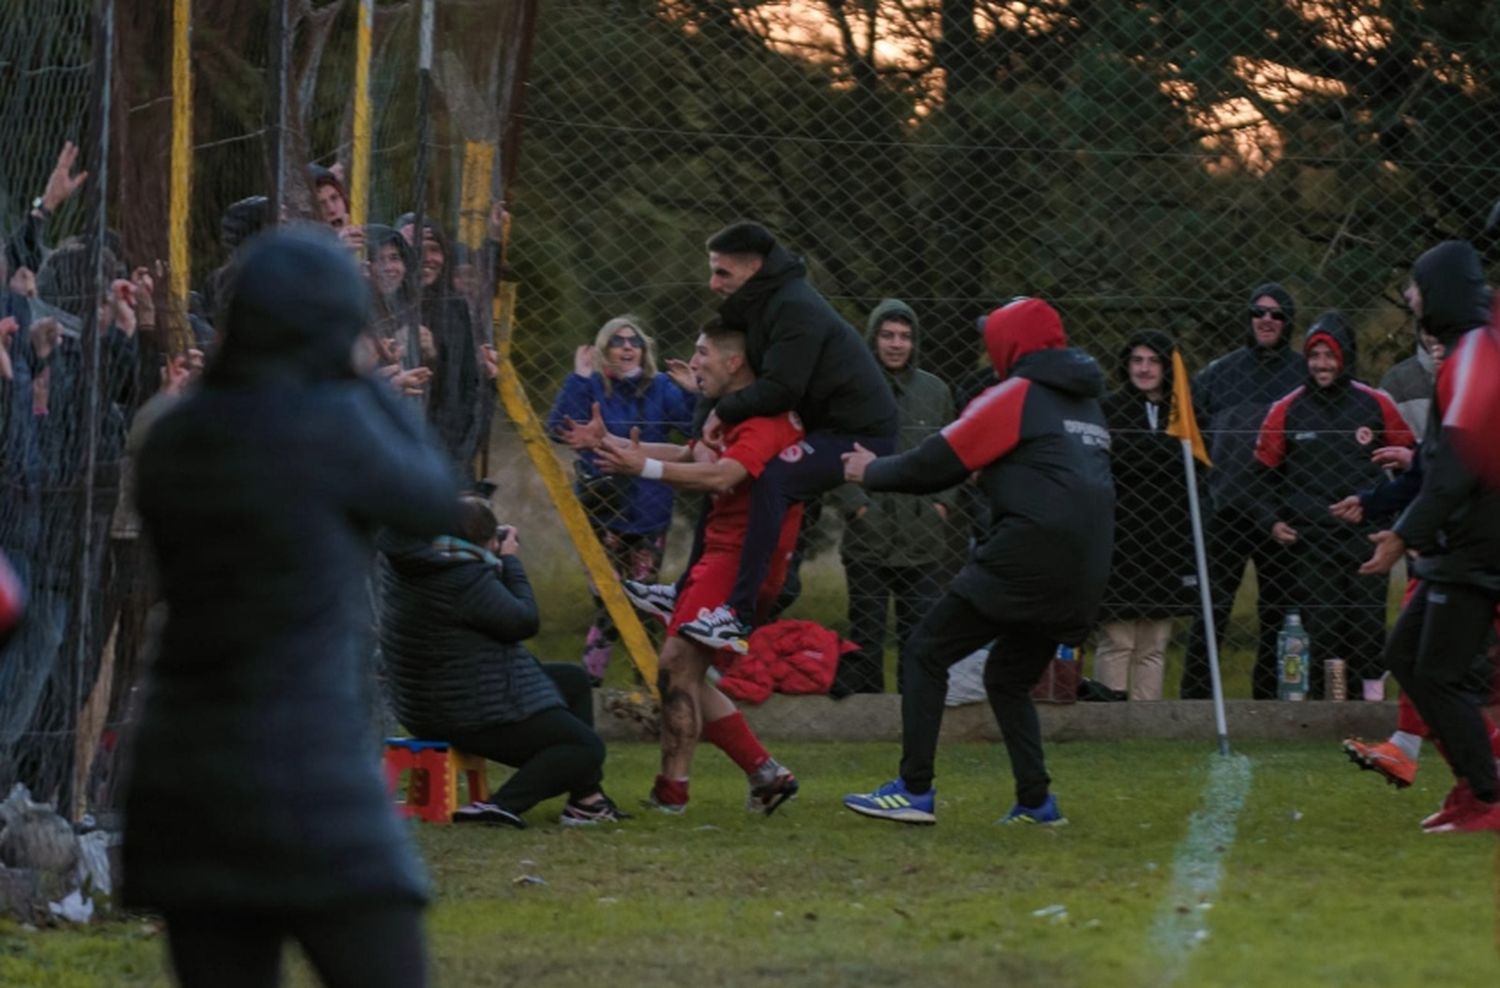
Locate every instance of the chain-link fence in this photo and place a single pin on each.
(1142, 166)
(144, 143)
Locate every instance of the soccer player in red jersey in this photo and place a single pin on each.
(692, 707)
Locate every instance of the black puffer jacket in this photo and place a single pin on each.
(1040, 445)
(1454, 523)
(1153, 574)
(806, 358)
(1233, 395)
(451, 628)
(253, 781)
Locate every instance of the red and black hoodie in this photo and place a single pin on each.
(1040, 446)
(1315, 443)
(1454, 523)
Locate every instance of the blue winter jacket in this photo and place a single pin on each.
(657, 405)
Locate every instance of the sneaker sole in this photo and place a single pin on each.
(916, 817)
(784, 796)
(1059, 822)
(486, 822)
(666, 808)
(1372, 766)
(739, 646)
(645, 606)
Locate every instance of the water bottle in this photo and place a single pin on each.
(1293, 653)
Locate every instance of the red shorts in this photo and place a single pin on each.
(711, 579)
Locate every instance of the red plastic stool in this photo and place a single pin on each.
(432, 782)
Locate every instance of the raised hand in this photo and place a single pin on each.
(62, 183)
(584, 435)
(583, 361)
(629, 459)
(682, 375)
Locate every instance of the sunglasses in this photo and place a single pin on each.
(617, 340)
(1261, 312)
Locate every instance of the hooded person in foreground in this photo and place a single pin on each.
(255, 808)
(1039, 443)
(1454, 527)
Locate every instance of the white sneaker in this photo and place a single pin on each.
(718, 628)
(656, 599)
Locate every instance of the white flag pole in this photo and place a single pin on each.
(1211, 634)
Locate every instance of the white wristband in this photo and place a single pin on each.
(651, 469)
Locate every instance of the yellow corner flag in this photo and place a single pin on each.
(1182, 423)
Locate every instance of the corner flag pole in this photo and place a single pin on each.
(1183, 424)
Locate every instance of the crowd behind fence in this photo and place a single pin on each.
(1216, 180)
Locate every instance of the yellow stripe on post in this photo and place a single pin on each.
(180, 198)
(474, 208)
(539, 449)
(363, 138)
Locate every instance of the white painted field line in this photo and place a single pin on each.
(1182, 921)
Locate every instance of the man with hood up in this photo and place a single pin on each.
(1039, 443)
(894, 544)
(1233, 395)
(1314, 448)
(255, 812)
(1152, 577)
(1454, 527)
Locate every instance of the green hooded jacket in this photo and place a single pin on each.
(901, 529)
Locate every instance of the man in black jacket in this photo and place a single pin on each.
(1233, 395)
(1315, 447)
(1040, 445)
(1454, 526)
(455, 614)
(806, 359)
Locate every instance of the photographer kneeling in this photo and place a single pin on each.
(454, 614)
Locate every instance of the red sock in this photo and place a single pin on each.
(670, 792)
(1408, 720)
(1494, 736)
(732, 735)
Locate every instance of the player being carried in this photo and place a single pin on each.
(803, 358)
(691, 705)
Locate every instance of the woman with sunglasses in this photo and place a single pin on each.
(631, 516)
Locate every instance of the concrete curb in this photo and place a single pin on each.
(877, 717)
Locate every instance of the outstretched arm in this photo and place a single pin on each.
(635, 459)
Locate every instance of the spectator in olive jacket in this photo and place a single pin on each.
(893, 544)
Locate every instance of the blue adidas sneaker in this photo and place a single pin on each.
(892, 802)
(1047, 815)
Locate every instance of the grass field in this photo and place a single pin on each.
(1322, 878)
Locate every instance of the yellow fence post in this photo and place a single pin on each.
(539, 449)
(179, 256)
(363, 138)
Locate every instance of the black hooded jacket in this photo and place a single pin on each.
(806, 358)
(252, 781)
(1315, 444)
(1040, 445)
(451, 629)
(1454, 523)
(1153, 573)
(1233, 395)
